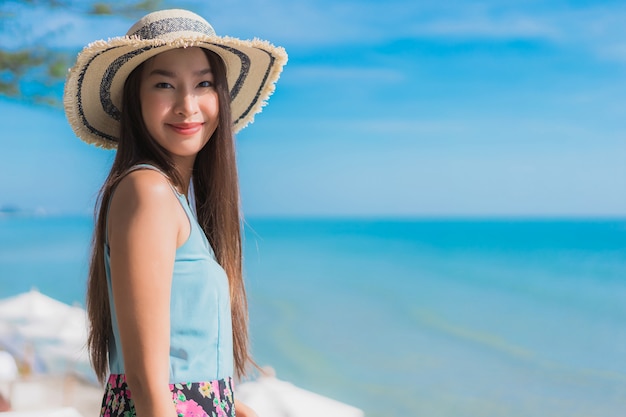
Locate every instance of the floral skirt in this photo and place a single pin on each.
(192, 399)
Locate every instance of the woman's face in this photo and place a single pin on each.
(179, 102)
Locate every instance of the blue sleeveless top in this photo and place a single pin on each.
(201, 340)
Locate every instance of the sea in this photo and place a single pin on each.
(407, 317)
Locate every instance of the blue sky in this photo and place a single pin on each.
(396, 108)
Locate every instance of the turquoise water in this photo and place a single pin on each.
(403, 318)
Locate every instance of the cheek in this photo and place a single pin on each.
(212, 106)
(152, 110)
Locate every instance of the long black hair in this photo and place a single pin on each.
(216, 187)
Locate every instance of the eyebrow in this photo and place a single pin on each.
(171, 74)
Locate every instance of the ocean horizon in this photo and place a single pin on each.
(427, 316)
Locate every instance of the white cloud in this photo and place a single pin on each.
(595, 29)
(556, 130)
(59, 27)
(516, 27)
(614, 52)
(336, 73)
(349, 21)
(533, 179)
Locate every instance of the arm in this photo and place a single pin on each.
(143, 235)
(243, 410)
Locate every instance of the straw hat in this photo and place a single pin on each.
(94, 87)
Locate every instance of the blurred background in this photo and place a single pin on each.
(435, 195)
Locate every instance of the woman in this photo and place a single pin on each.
(166, 298)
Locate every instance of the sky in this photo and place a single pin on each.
(385, 109)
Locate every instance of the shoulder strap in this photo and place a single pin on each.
(153, 168)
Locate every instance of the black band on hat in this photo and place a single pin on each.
(156, 29)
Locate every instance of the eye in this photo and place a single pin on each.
(164, 85)
(205, 84)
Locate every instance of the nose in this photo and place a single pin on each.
(186, 104)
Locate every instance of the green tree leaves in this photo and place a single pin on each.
(35, 72)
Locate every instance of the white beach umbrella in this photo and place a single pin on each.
(59, 412)
(8, 367)
(271, 397)
(51, 332)
(30, 307)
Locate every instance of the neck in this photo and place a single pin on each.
(184, 167)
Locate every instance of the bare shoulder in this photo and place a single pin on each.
(144, 186)
(143, 200)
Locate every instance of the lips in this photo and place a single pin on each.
(186, 128)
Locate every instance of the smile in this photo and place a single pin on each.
(185, 128)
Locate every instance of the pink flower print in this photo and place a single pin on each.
(190, 408)
(228, 393)
(216, 388)
(116, 381)
(180, 396)
(219, 407)
(221, 412)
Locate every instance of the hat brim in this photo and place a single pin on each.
(94, 87)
